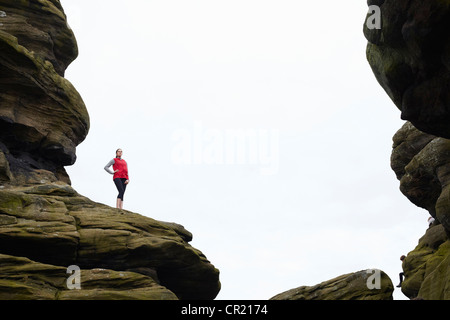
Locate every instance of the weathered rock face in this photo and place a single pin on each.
(42, 116)
(45, 225)
(23, 279)
(422, 164)
(361, 285)
(410, 57)
(55, 227)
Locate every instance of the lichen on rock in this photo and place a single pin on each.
(426, 268)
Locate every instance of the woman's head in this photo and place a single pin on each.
(119, 153)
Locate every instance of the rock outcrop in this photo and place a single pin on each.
(362, 285)
(46, 228)
(42, 116)
(45, 225)
(422, 164)
(410, 57)
(426, 268)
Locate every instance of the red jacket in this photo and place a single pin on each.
(121, 165)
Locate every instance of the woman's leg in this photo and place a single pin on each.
(124, 186)
(120, 185)
(123, 193)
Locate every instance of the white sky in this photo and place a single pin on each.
(170, 80)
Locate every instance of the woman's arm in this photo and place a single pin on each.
(109, 164)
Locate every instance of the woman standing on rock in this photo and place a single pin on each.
(120, 175)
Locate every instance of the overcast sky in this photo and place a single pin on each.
(256, 124)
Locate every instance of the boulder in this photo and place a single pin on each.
(371, 284)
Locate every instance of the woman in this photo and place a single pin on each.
(120, 175)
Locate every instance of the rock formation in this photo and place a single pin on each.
(410, 57)
(45, 225)
(422, 164)
(361, 285)
(52, 226)
(42, 116)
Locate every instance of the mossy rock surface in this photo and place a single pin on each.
(134, 252)
(427, 267)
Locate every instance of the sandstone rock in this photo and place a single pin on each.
(5, 172)
(42, 116)
(410, 57)
(426, 268)
(55, 227)
(422, 162)
(23, 279)
(352, 286)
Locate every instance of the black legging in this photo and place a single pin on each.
(121, 186)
